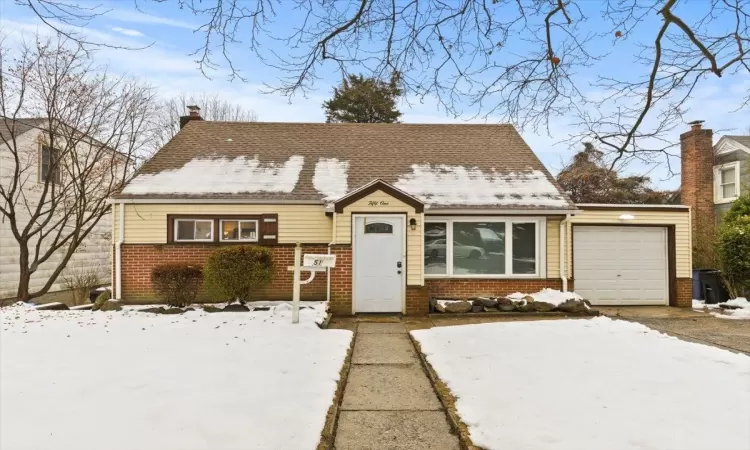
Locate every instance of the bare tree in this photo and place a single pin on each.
(516, 60)
(212, 108)
(87, 128)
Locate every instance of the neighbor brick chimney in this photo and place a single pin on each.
(194, 113)
(697, 188)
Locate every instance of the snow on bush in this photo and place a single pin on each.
(133, 380)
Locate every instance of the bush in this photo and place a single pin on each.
(237, 272)
(102, 299)
(81, 281)
(176, 284)
(734, 247)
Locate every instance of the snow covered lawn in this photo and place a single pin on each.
(741, 308)
(79, 380)
(591, 384)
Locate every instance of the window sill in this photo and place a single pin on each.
(723, 201)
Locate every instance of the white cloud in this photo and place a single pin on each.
(127, 31)
(124, 15)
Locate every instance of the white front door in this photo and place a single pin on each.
(621, 265)
(379, 263)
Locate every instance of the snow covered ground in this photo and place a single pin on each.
(79, 380)
(742, 310)
(591, 384)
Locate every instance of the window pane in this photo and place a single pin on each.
(203, 229)
(524, 248)
(185, 230)
(229, 230)
(728, 191)
(248, 230)
(378, 228)
(478, 248)
(434, 249)
(727, 176)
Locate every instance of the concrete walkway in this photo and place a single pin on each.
(388, 400)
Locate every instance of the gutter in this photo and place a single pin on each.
(118, 251)
(563, 253)
(210, 201)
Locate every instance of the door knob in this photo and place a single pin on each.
(399, 272)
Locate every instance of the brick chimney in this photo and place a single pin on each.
(194, 113)
(697, 186)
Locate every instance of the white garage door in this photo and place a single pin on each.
(616, 265)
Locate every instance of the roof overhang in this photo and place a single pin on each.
(208, 200)
(373, 186)
(728, 145)
(634, 207)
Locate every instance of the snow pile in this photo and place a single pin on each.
(591, 384)
(133, 380)
(330, 178)
(546, 295)
(740, 310)
(221, 176)
(460, 185)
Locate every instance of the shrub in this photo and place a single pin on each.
(81, 281)
(102, 299)
(237, 272)
(734, 250)
(176, 284)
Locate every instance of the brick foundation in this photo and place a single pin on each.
(417, 300)
(139, 259)
(465, 288)
(341, 281)
(684, 294)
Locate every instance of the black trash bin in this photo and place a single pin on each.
(707, 285)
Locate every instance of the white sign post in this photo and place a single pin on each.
(312, 264)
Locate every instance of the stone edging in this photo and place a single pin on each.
(328, 434)
(445, 397)
(593, 313)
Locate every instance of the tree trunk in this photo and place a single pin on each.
(24, 276)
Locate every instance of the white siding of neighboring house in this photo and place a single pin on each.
(93, 254)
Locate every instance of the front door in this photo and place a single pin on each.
(379, 263)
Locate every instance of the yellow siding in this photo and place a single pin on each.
(381, 202)
(553, 247)
(680, 219)
(147, 223)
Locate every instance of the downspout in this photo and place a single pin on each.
(328, 272)
(118, 251)
(563, 253)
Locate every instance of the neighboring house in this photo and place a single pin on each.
(731, 171)
(411, 211)
(92, 255)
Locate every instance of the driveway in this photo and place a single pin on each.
(688, 325)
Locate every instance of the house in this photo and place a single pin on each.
(731, 171)
(411, 211)
(29, 138)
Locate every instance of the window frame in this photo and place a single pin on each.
(239, 234)
(719, 186)
(52, 152)
(195, 220)
(540, 230)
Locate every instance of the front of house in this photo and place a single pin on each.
(411, 212)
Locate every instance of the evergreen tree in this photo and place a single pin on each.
(364, 100)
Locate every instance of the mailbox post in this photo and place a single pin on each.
(312, 264)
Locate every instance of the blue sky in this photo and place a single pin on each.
(169, 66)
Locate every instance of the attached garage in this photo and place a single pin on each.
(621, 265)
(627, 255)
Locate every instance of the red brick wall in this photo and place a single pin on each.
(697, 190)
(684, 297)
(341, 281)
(139, 259)
(417, 300)
(464, 288)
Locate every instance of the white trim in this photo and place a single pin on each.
(540, 247)
(718, 191)
(434, 211)
(239, 231)
(404, 262)
(630, 206)
(728, 145)
(184, 219)
(118, 251)
(211, 201)
(564, 253)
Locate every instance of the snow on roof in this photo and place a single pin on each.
(221, 176)
(330, 178)
(459, 185)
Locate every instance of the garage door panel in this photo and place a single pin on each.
(621, 265)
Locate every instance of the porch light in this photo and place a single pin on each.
(627, 217)
(413, 224)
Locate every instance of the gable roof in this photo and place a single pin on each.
(740, 143)
(445, 166)
(378, 185)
